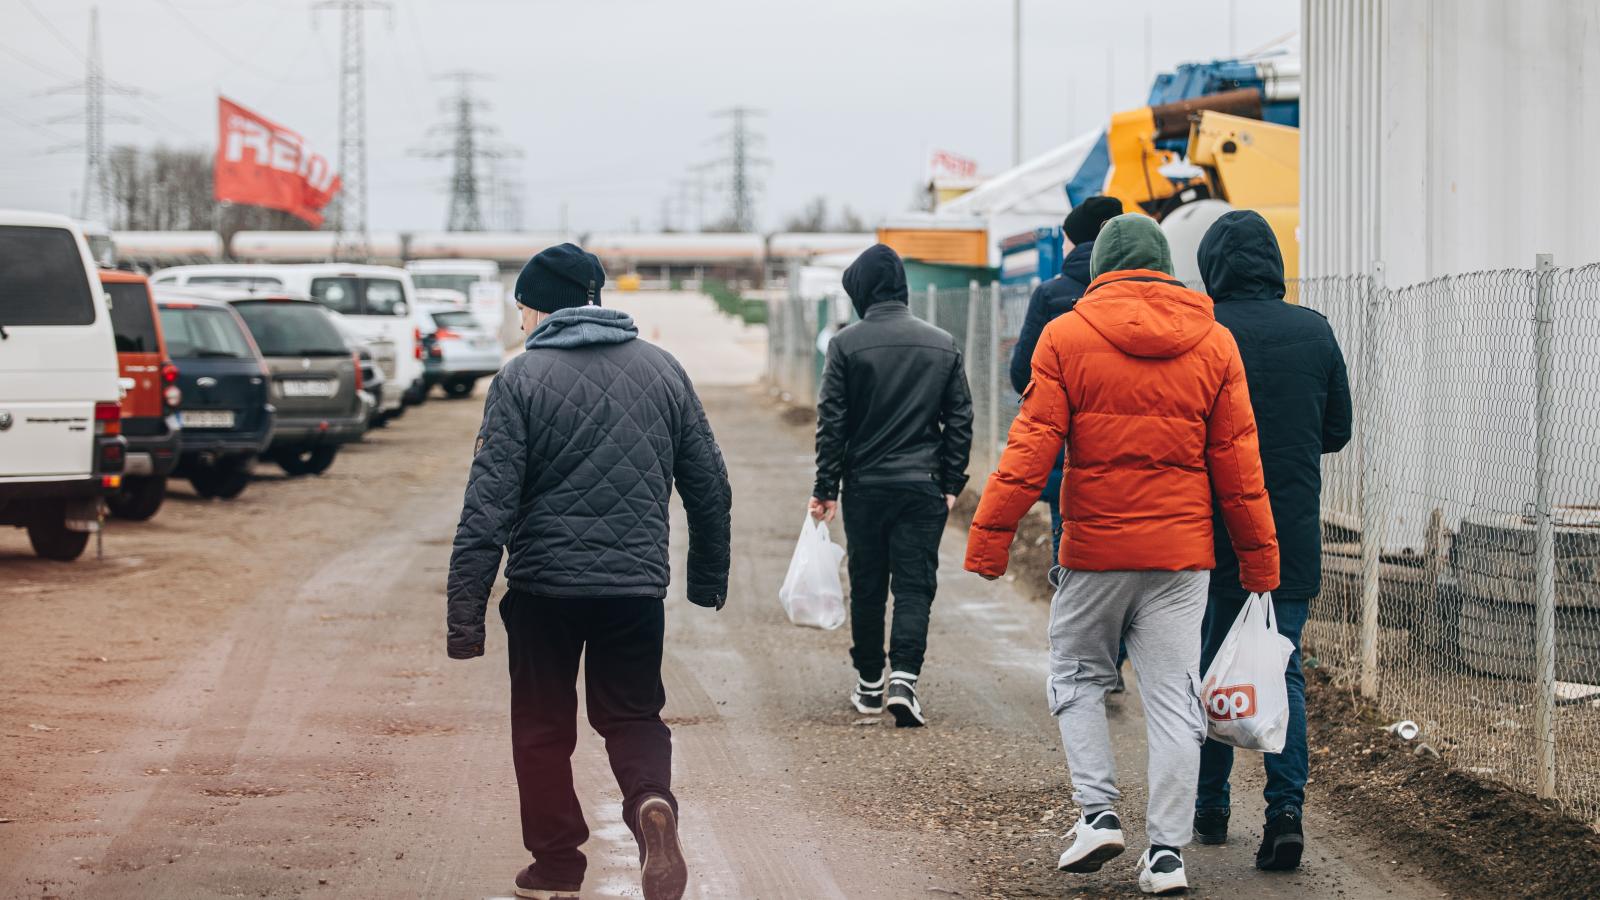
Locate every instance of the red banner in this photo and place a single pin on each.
(261, 163)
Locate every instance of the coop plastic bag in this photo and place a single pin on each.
(1246, 696)
(812, 593)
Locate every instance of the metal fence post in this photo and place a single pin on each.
(1544, 535)
(933, 305)
(1372, 524)
(994, 374)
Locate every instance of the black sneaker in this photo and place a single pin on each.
(902, 701)
(1211, 826)
(537, 887)
(867, 698)
(665, 873)
(1282, 842)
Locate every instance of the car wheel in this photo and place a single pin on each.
(459, 389)
(306, 460)
(232, 478)
(52, 539)
(139, 498)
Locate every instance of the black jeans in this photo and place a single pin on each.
(892, 532)
(622, 686)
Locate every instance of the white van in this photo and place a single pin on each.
(477, 279)
(60, 419)
(378, 301)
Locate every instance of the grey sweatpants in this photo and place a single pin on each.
(1158, 614)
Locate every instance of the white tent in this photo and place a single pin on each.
(1028, 196)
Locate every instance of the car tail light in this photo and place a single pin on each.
(108, 419)
(445, 334)
(111, 482)
(113, 457)
(416, 341)
(172, 395)
(356, 358)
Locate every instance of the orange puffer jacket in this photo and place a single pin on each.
(1149, 394)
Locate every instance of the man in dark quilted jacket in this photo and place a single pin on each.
(583, 438)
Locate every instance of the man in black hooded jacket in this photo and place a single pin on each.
(1301, 398)
(584, 437)
(894, 423)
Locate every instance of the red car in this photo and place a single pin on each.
(151, 396)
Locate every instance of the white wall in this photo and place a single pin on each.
(1446, 136)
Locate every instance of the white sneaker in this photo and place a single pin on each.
(1096, 839)
(1162, 873)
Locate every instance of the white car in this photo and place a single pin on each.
(61, 449)
(379, 301)
(462, 350)
(478, 280)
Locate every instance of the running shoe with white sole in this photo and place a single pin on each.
(1161, 872)
(665, 873)
(867, 698)
(1096, 838)
(903, 703)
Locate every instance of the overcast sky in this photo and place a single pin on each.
(610, 101)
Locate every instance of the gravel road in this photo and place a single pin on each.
(252, 699)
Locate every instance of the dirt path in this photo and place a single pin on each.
(252, 699)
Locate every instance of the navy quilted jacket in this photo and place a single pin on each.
(583, 437)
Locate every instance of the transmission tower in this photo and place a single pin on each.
(469, 146)
(742, 182)
(350, 206)
(94, 202)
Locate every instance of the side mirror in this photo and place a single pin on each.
(401, 308)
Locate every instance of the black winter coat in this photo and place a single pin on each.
(580, 447)
(894, 406)
(1298, 388)
(1050, 300)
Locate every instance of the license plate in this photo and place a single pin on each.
(208, 418)
(316, 387)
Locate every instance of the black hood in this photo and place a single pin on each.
(877, 276)
(1239, 259)
(1076, 265)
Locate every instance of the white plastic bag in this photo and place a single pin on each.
(812, 593)
(1246, 696)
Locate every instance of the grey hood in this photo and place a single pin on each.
(583, 326)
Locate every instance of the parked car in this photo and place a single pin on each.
(227, 413)
(467, 350)
(371, 373)
(377, 300)
(476, 280)
(60, 418)
(316, 380)
(150, 396)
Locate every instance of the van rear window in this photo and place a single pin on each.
(291, 329)
(131, 318)
(42, 281)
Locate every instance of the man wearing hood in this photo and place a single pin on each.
(1300, 392)
(894, 424)
(583, 437)
(1149, 397)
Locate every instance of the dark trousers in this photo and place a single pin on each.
(1286, 771)
(621, 638)
(892, 533)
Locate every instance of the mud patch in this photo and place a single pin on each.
(1480, 838)
(244, 792)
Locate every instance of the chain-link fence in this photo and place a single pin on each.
(1461, 526)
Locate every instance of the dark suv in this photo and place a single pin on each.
(227, 412)
(316, 380)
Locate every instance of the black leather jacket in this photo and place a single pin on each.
(894, 405)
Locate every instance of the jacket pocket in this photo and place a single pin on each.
(1062, 687)
(1197, 708)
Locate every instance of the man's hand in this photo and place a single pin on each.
(464, 651)
(823, 510)
(988, 577)
(949, 502)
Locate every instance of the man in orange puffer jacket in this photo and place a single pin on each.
(1149, 395)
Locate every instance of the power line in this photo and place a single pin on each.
(470, 152)
(94, 201)
(50, 26)
(350, 206)
(742, 183)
